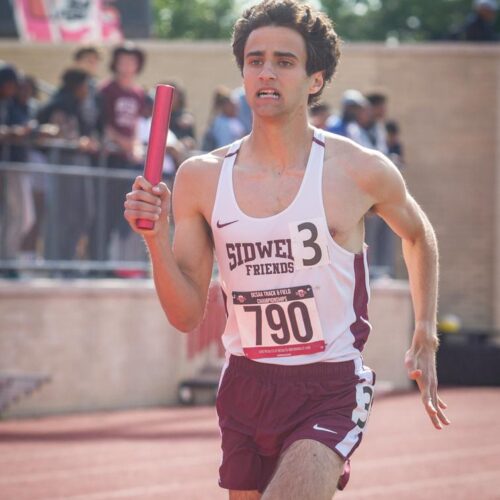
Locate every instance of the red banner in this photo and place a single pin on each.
(67, 21)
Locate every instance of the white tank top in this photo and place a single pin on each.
(293, 295)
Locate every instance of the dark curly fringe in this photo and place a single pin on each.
(322, 43)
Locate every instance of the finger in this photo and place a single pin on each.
(442, 404)
(442, 417)
(432, 412)
(161, 190)
(439, 407)
(428, 402)
(133, 215)
(142, 206)
(141, 195)
(141, 183)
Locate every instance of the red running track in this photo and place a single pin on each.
(174, 454)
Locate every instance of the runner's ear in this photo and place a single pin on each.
(317, 82)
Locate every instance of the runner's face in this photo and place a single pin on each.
(274, 72)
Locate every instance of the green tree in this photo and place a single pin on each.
(356, 20)
(193, 19)
(404, 20)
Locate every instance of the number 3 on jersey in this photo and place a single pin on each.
(309, 243)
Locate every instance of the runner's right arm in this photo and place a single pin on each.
(181, 271)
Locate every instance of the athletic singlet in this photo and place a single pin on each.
(293, 295)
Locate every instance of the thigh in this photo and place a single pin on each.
(307, 470)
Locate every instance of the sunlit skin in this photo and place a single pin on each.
(266, 177)
(275, 59)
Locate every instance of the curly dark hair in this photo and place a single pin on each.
(316, 28)
(128, 48)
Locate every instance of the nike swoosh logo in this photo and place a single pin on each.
(219, 225)
(316, 427)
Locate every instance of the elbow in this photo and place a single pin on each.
(185, 324)
(186, 327)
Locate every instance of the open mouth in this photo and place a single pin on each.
(268, 94)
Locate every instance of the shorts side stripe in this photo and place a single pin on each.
(360, 414)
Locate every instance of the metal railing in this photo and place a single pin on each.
(76, 207)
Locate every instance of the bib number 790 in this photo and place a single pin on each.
(278, 322)
(282, 320)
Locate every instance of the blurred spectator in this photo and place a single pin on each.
(121, 102)
(25, 107)
(358, 129)
(480, 23)
(319, 114)
(225, 126)
(368, 130)
(64, 108)
(376, 130)
(352, 103)
(9, 80)
(181, 120)
(12, 204)
(175, 150)
(27, 104)
(88, 58)
(244, 111)
(71, 197)
(394, 146)
(26, 100)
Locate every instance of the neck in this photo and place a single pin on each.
(125, 81)
(281, 145)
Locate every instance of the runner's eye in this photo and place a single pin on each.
(285, 64)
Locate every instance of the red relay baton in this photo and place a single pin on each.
(157, 141)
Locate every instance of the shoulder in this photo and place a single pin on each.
(197, 171)
(203, 163)
(196, 183)
(106, 86)
(371, 171)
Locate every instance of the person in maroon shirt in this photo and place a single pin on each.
(121, 101)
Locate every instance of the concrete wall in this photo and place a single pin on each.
(107, 344)
(447, 100)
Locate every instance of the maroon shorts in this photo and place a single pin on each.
(264, 408)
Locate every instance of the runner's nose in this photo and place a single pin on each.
(267, 72)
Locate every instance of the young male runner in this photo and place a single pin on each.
(283, 211)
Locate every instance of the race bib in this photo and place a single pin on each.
(280, 322)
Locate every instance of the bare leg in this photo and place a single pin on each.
(308, 470)
(244, 495)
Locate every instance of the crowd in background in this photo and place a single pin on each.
(83, 123)
(91, 124)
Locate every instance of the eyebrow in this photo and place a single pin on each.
(277, 53)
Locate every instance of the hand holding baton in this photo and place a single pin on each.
(157, 141)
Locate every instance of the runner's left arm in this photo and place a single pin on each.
(400, 211)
